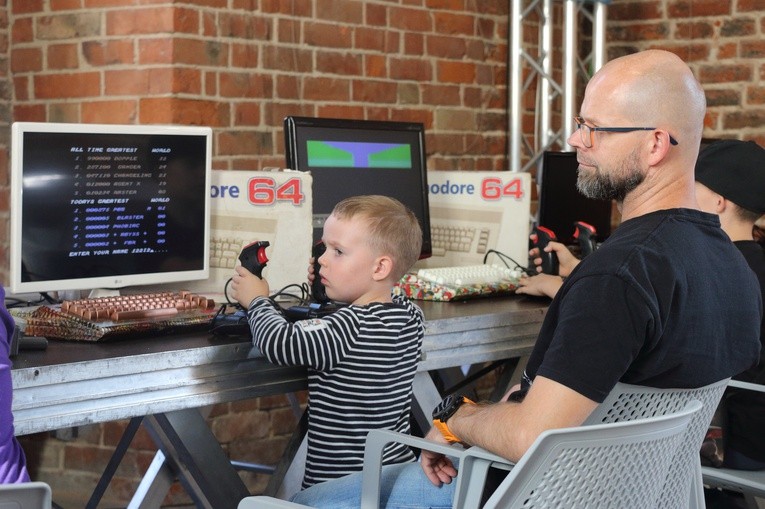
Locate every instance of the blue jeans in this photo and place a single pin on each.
(402, 486)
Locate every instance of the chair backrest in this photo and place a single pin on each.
(28, 495)
(619, 464)
(627, 402)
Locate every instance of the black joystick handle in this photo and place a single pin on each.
(318, 292)
(542, 236)
(253, 257)
(585, 233)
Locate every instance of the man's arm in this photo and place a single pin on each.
(509, 429)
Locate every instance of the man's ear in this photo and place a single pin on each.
(721, 204)
(383, 268)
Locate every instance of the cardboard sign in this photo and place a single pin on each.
(473, 212)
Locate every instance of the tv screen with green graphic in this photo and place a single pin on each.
(354, 157)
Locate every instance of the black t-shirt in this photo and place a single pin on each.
(744, 427)
(667, 301)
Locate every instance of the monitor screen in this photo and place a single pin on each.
(108, 206)
(561, 204)
(356, 157)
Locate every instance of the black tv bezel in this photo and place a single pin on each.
(293, 123)
(601, 208)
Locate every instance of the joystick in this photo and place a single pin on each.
(318, 292)
(253, 257)
(540, 237)
(585, 233)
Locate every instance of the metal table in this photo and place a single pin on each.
(169, 377)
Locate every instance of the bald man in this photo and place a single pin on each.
(642, 309)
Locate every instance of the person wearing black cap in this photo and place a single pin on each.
(730, 182)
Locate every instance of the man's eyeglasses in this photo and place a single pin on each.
(585, 131)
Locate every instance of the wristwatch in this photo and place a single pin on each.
(446, 409)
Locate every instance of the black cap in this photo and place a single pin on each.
(736, 170)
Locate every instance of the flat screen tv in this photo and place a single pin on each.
(108, 206)
(561, 204)
(356, 157)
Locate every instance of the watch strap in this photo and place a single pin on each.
(445, 431)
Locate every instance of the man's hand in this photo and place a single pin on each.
(541, 285)
(566, 259)
(437, 467)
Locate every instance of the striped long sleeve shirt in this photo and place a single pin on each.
(361, 362)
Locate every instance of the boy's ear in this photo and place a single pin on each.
(383, 268)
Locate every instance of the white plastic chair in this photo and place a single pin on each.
(28, 495)
(750, 483)
(683, 486)
(612, 465)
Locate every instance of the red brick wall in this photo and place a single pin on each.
(240, 66)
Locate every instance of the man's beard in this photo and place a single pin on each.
(614, 185)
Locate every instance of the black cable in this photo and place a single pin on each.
(503, 257)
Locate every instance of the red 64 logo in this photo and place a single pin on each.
(494, 188)
(265, 191)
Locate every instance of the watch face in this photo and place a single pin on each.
(447, 407)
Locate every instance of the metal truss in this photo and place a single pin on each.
(554, 86)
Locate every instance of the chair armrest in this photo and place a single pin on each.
(263, 502)
(376, 441)
(474, 462)
(746, 385)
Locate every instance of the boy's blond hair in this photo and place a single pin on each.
(393, 229)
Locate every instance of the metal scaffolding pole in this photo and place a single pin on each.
(532, 65)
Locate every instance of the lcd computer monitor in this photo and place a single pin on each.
(108, 206)
(357, 157)
(561, 204)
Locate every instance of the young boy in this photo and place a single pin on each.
(361, 359)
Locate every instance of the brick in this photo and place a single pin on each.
(698, 8)
(340, 111)
(450, 119)
(63, 56)
(737, 27)
(725, 73)
(68, 26)
(630, 11)
(288, 59)
(333, 62)
(375, 66)
(326, 89)
(410, 20)
(140, 21)
(377, 15)
(456, 72)
(26, 60)
(694, 30)
(242, 142)
(244, 27)
(410, 69)
(200, 52)
(110, 112)
(155, 51)
(369, 38)
(49, 86)
(22, 30)
(454, 23)
(171, 110)
(639, 32)
(340, 11)
(723, 97)
(245, 85)
(65, 5)
(414, 44)
(751, 118)
(287, 87)
(407, 93)
(368, 91)
(29, 112)
(101, 53)
(750, 5)
(327, 35)
(244, 55)
(755, 94)
(440, 46)
(246, 114)
(752, 49)
(26, 7)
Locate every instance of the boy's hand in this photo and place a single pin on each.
(245, 286)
